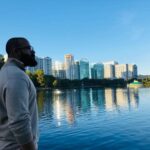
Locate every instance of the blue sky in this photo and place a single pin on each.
(99, 30)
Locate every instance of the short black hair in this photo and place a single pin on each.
(14, 43)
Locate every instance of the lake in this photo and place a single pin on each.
(94, 119)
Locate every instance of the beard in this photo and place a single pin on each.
(29, 60)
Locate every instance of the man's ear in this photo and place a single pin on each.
(17, 53)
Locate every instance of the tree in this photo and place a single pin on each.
(32, 77)
(1, 61)
(49, 79)
(55, 83)
(39, 75)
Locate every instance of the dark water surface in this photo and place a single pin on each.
(94, 119)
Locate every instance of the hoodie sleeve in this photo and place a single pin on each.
(17, 105)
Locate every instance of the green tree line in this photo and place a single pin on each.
(49, 81)
(146, 82)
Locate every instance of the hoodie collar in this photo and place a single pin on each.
(16, 62)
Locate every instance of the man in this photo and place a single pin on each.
(18, 107)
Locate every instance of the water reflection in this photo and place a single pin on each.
(98, 98)
(64, 106)
(110, 98)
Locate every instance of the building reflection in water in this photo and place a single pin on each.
(45, 104)
(133, 98)
(121, 98)
(70, 106)
(110, 99)
(98, 98)
(85, 100)
(66, 105)
(58, 105)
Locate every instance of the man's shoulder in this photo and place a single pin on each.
(13, 72)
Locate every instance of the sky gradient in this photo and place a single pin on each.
(99, 30)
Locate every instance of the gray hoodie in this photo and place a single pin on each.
(18, 107)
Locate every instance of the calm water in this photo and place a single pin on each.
(94, 119)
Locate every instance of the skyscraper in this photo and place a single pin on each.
(47, 66)
(39, 63)
(97, 71)
(76, 70)
(121, 71)
(132, 71)
(69, 66)
(108, 71)
(58, 70)
(84, 69)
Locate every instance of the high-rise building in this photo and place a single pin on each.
(132, 71)
(39, 63)
(84, 69)
(47, 66)
(97, 71)
(58, 70)
(69, 66)
(121, 71)
(76, 70)
(108, 71)
(135, 71)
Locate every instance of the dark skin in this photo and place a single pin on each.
(24, 54)
(20, 55)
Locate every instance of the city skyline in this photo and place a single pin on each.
(87, 59)
(81, 69)
(97, 30)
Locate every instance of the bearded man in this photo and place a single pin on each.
(18, 105)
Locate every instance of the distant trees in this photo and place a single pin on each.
(48, 81)
(1, 61)
(146, 82)
(37, 77)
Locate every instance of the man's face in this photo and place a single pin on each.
(27, 54)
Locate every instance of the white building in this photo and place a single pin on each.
(47, 66)
(39, 63)
(121, 71)
(132, 71)
(69, 66)
(109, 71)
(58, 70)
